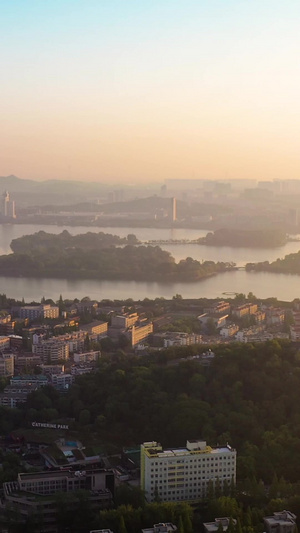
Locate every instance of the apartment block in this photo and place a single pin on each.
(124, 321)
(38, 311)
(62, 381)
(275, 316)
(7, 325)
(97, 328)
(86, 357)
(218, 308)
(52, 350)
(15, 394)
(27, 379)
(27, 360)
(180, 339)
(245, 309)
(185, 474)
(48, 370)
(141, 333)
(4, 343)
(229, 331)
(219, 320)
(7, 364)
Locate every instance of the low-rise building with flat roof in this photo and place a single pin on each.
(162, 527)
(213, 527)
(280, 522)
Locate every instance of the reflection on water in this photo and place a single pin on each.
(263, 285)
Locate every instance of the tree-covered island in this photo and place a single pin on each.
(290, 264)
(264, 238)
(100, 256)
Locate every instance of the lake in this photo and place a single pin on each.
(262, 284)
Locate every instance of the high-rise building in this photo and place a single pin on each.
(174, 210)
(185, 474)
(8, 206)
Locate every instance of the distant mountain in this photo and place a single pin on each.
(13, 183)
(31, 192)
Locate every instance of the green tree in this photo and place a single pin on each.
(122, 528)
(84, 417)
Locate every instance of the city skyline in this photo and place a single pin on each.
(139, 91)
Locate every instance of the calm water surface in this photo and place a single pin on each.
(263, 285)
(240, 256)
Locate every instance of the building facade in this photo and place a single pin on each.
(185, 474)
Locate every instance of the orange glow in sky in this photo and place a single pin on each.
(147, 90)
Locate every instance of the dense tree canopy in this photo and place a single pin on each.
(99, 256)
(248, 397)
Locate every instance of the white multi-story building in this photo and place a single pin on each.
(185, 474)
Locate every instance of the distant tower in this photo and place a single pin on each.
(5, 204)
(174, 210)
(8, 206)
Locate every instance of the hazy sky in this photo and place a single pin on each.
(134, 90)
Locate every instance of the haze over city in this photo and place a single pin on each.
(143, 91)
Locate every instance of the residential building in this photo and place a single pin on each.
(4, 343)
(218, 308)
(62, 382)
(16, 341)
(7, 364)
(185, 474)
(38, 311)
(33, 493)
(86, 357)
(13, 395)
(281, 522)
(259, 316)
(245, 309)
(52, 350)
(140, 333)
(219, 523)
(48, 370)
(295, 332)
(27, 360)
(35, 380)
(86, 306)
(163, 527)
(178, 338)
(7, 325)
(83, 368)
(124, 321)
(218, 320)
(96, 328)
(229, 331)
(275, 316)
